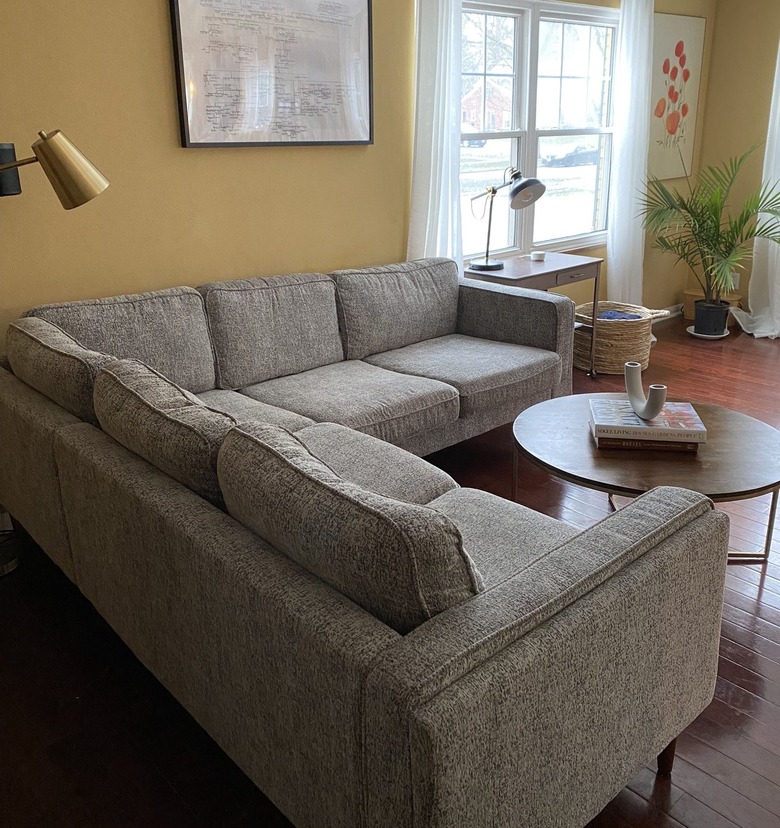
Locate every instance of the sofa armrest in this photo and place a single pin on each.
(5, 364)
(521, 316)
(583, 667)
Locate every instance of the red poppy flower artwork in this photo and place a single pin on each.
(678, 48)
(673, 109)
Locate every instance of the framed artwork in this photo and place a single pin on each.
(678, 46)
(264, 73)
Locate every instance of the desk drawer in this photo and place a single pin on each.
(576, 274)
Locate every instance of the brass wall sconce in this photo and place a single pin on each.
(72, 175)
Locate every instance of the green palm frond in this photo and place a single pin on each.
(700, 230)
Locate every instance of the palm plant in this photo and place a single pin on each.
(700, 229)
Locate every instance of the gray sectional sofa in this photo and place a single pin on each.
(231, 475)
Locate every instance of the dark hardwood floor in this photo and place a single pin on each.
(89, 738)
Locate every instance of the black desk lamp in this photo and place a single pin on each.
(523, 193)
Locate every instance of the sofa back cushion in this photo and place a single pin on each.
(382, 308)
(161, 422)
(402, 562)
(271, 327)
(166, 329)
(51, 361)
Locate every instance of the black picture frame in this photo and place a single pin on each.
(250, 74)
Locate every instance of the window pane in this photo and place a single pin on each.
(578, 56)
(472, 103)
(500, 44)
(548, 103)
(482, 165)
(473, 43)
(498, 111)
(550, 44)
(574, 102)
(575, 173)
(487, 82)
(576, 50)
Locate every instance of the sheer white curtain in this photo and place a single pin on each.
(631, 90)
(435, 226)
(764, 288)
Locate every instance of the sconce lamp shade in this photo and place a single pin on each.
(9, 179)
(74, 178)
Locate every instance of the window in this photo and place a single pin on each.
(536, 95)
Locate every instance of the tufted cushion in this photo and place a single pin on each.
(272, 327)
(165, 329)
(402, 562)
(161, 422)
(381, 308)
(51, 361)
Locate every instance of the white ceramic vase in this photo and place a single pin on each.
(644, 407)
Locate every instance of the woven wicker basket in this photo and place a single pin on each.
(617, 340)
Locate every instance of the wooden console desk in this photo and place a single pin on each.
(556, 270)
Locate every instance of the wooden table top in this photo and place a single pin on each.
(741, 457)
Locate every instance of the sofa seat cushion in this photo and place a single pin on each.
(382, 403)
(502, 537)
(375, 464)
(161, 422)
(243, 408)
(487, 374)
(402, 562)
(51, 361)
(394, 305)
(165, 329)
(270, 327)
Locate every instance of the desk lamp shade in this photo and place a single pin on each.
(9, 179)
(74, 178)
(524, 192)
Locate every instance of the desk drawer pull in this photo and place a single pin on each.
(565, 278)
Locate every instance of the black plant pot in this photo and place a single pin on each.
(710, 317)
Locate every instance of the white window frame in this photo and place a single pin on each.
(526, 137)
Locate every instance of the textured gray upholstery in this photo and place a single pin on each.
(270, 327)
(394, 305)
(243, 408)
(502, 537)
(162, 423)
(401, 562)
(582, 667)
(524, 317)
(487, 374)
(375, 464)
(165, 329)
(51, 361)
(266, 657)
(382, 403)
(29, 478)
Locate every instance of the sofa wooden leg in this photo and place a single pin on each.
(666, 759)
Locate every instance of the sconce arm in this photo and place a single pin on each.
(12, 165)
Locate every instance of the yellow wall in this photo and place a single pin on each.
(103, 72)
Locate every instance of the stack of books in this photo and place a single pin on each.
(615, 426)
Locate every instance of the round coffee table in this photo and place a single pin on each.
(741, 458)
